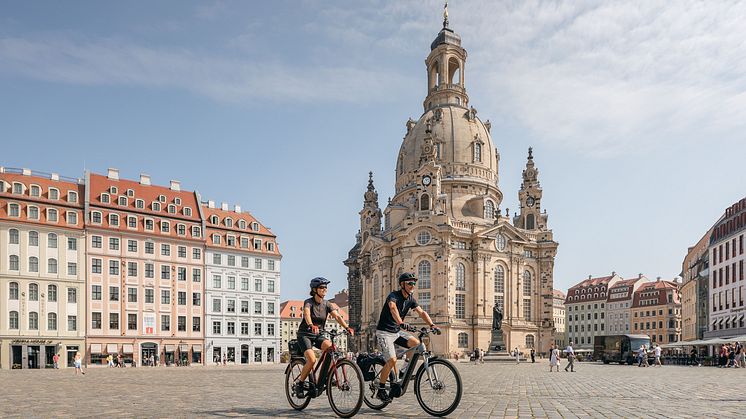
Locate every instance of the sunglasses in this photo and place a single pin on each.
(323, 287)
(412, 283)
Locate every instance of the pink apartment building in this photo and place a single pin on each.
(145, 251)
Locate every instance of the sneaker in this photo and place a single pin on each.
(299, 389)
(382, 395)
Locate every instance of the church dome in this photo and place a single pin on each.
(462, 143)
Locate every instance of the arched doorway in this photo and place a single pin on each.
(148, 349)
(244, 354)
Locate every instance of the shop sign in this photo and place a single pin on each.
(31, 341)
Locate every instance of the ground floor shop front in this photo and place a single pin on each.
(242, 352)
(39, 352)
(144, 352)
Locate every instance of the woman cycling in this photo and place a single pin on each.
(315, 311)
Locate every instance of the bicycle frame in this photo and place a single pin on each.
(417, 352)
(327, 362)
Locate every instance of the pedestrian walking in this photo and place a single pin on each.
(517, 355)
(657, 353)
(570, 358)
(225, 360)
(553, 358)
(481, 356)
(78, 364)
(533, 355)
(120, 364)
(56, 361)
(110, 361)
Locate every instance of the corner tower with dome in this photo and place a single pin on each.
(445, 224)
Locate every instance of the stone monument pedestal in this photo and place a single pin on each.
(497, 351)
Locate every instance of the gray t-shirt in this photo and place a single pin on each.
(319, 313)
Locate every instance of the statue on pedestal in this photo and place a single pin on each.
(497, 317)
(497, 343)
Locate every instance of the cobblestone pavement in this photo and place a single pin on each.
(490, 390)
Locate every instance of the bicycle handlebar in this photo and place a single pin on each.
(422, 331)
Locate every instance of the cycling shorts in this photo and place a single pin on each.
(388, 341)
(309, 341)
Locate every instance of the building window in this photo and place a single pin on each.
(196, 275)
(131, 295)
(33, 320)
(33, 264)
(14, 210)
(113, 220)
(196, 253)
(35, 191)
(230, 328)
(463, 340)
(196, 299)
(165, 272)
(13, 265)
(33, 212)
(216, 305)
(149, 270)
(424, 300)
(527, 309)
(96, 266)
(181, 323)
(52, 241)
(114, 321)
(182, 298)
(165, 250)
(33, 292)
(13, 321)
(182, 251)
(460, 277)
(131, 321)
(196, 324)
(231, 282)
(72, 268)
(460, 306)
(477, 152)
(132, 246)
(244, 307)
(96, 242)
(257, 307)
(33, 238)
(52, 215)
(270, 285)
(96, 292)
(52, 293)
(114, 267)
(165, 296)
(489, 210)
(529, 341)
(217, 281)
(423, 274)
(526, 283)
(257, 263)
(216, 328)
(149, 224)
(149, 295)
(72, 323)
(165, 322)
(113, 243)
(165, 226)
(113, 293)
(244, 328)
(95, 320)
(13, 291)
(271, 265)
(149, 248)
(181, 274)
(257, 329)
(499, 279)
(216, 259)
(258, 284)
(52, 321)
(72, 243)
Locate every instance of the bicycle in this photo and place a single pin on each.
(437, 383)
(340, 377)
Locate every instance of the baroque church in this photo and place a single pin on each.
(445, 224)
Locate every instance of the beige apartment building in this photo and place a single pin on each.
(695, 274)
(445, 224)
(656, 311)
(586, 309)
(145, 281)
(619, 305)
(42, 269)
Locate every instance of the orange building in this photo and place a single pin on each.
(656, 311)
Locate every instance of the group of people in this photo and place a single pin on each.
(110, 361)
(644, 352)
(389, 330)
(554, 358)
(732, 355)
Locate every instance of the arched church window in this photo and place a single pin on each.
(454, 71)
(460, 277)
(530, 222)
(376, 288)
(489, 210)
(425, 202)
(526, 283)
(477, 152)
(435, 75)
(529, 341)
(423, 274)
(499, 279)
(463, 340)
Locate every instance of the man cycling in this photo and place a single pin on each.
(315, 311)
(389, 332)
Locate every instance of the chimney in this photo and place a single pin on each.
(210, 204)
(26, 172)
(113, 174)
(224, 206)
(175, 185)
(639, 275)
(238, 209)
(613, 273)
(144, 179)
(589, 277)
(658, 279)
(55, 176)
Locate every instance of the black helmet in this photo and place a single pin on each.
(407, 276)
(316, 282)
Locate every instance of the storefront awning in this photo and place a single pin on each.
(170, 348)
(95, 348)
(127, 348)
(196, 348)
(183, 347)
(111, 348)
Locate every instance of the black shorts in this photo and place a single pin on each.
(309, 341)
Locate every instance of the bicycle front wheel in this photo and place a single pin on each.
(344, 388)
(292, 376)
(438, 387)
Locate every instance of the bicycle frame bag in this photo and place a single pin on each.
(366, 363)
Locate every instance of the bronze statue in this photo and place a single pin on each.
(497, 317)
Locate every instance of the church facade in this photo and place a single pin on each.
(445, 224)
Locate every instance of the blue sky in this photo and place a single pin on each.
(636, 111)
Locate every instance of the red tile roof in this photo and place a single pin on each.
(591, 289)
(43, 202)
(222, 229)
(657, 291)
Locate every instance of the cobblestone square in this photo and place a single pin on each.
(490, 390)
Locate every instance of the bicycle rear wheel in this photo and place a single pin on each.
(438, 387)
(344, 387)
(292, 376)
(371, 388)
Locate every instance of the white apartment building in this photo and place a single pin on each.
(558, 308)
(42, 269)
(242, 288)
(586, 310)
(726, 291)
(619, 305)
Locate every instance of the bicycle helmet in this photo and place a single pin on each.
(407, 276)
(318, 281)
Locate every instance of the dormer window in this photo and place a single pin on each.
(177, 201)
(242, 224)
(244, 242)
(270, 247)
(215, 239)
(255, 226)
(161, 198)
(122, 201)
(165, 227)
(54, 194)
(113, 190)
(139, 203)
(33, 212)
(35, 191)
(113, 220)
(72, 196)
(131, 193)
(230, 240)
(229, 222)
(52, 215)
(156, 206)
(96, 217)
(172, 209)
(257, 244)
(214, 219)
(149, 224)
(196, 232)
(104, 198)
(14, 210)
(17, 188)
(132, 222)
(187, 211)
(181, 229)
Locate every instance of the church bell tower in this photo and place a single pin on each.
(530, 217)
(370, 215)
